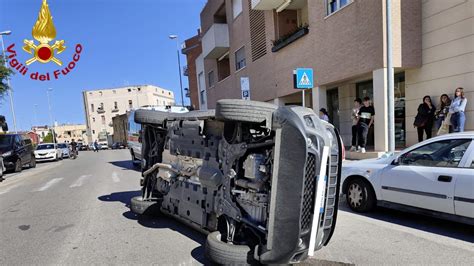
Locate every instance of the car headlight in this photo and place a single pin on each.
(6, 154)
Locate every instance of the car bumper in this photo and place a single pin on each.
(42, 158)
(303, 206)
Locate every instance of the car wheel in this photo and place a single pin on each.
(134, 159)
(244, 111)
(144, 207)
(33, 162)
(18, 166)
(150, 117)
(360, 195)
(223, 253)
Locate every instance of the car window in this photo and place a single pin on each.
(445, 153)
(18, 141)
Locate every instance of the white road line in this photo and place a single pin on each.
(80, 181)
(49, 184)
(115, 177)
(5, 191)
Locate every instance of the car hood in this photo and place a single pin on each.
(369, 164)
(45, 151)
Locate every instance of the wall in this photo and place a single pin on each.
(192, 51)
(448, 58)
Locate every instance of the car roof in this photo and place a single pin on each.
(467, 134)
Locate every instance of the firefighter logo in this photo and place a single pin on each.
(44, 32)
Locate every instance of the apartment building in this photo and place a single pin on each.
(192, 49)
(102, 105)
(344, 41)
(66, 133)
(41, 131)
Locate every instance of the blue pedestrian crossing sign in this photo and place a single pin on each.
(304, 78)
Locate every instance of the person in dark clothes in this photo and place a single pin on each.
(355, 128)
(442, 112)
(425, 117)
(364, 122)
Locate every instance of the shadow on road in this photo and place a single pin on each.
(433, 225)
(126, 165)
(160, 222)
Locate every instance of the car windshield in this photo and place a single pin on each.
(62, 145)
(45, 147)
(6, 142)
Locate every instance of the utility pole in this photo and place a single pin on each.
(10, 91)
(175, 37)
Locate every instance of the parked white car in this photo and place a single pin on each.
(434, 177)
(48, 152)
(64, 149)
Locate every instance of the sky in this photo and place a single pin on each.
(125, 42)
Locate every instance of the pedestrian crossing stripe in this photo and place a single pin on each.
(304, 81)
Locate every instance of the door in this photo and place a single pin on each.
(464, 188)
(333, 106)
(366, 89)
(425, 177)
(20, 149)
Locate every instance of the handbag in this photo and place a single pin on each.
(444, 128)
(419, 121)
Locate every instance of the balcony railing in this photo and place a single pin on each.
(100, 111)
(289, 38)
(215, 41)
(114, 110)
(185, 71)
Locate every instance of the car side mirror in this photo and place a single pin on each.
(397, 161)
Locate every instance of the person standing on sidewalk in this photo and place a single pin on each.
(355, 128)
(458, 118)
(364, 122)
(443, 110)
(424, 118)
(96, 146)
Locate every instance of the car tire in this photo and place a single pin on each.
(18, 166)
(144, 207)
(32, 162)
(150, 117)
(360, 195)
(223, 253)
(134, 159)
(244, 111)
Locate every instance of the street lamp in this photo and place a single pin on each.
(51, 115)
(10, 92)
(175, 37)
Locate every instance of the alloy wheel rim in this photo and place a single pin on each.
(355, 195)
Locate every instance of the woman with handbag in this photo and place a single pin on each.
(458, 119)
(443, 110)
(424, 118)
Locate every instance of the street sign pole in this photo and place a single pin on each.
(302, 91)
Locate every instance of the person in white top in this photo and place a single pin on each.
(355, 128)
(458, 118)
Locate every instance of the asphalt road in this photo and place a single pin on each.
(75, 212)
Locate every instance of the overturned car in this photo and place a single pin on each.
(263, 180)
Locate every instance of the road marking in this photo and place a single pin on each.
(8, 189)
(49, 184)
(115, 177)
(80, 181)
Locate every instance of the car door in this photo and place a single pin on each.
(20, 149)
(425, 176)
(464, 188)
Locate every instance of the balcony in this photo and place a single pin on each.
(215, 43)
(100, 111)
(185, 71)
(279, 5)
(114, 110)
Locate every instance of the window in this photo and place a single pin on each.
(103, 119)
(223, 67)
(240, 58)
(130, 104)
(100, 93)
(164, 103)
(114, 91)
(236, 7)
(210, 78)
(102, 106)
(335, 5)
(93, 119)
(129, 90)
(115, 105)
(203, 97)
(92, 107)
(139, 89)
(93, 131)
(444, 153)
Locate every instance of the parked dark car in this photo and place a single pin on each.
(17, 151)
(118, 145)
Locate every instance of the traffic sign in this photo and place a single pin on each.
(304, 78)
(245, 88)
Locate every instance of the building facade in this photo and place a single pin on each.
(41, 131)
(120, 125)
(66, 133)
(192, 49)
(103, 104)
(344, 41)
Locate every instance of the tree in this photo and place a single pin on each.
(49, 138)
(5, 73)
